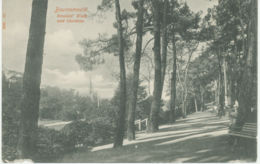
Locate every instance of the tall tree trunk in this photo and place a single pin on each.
(202, 106)
(235, 76)
(182, 100)
(216, 91)
(248, 88)
(230, 101)
(185, 88)
(173, 77)
(225, 79)
(164, 43)
(227, 82)
(155, 107)
(149, 83)
(195, 103)
(135, 83)
(184, 105)
(221, 87)
(173, 82)
(119, 134)
(29, 105)
(233, 89)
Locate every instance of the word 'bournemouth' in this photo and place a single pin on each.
(58, 9)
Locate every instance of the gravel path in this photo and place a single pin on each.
(201, 137)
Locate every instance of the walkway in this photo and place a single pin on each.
(201, 137)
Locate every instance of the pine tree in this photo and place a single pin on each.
(119, 134)
(135, 82)
(29, 105)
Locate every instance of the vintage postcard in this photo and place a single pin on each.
(129, 81)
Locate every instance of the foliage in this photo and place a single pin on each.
(9, 152)
(56, 104)
(94, 50)
(11, 93)
(50, 104)
(143, 108)
(164, 115)
(87, 133)
(143, 102)
(105, 5)
(103, 131)
(77, 133)
(66, 105)
(105, 113)
(94, 56)
(50, 144)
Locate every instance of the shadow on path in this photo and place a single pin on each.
(204, 141)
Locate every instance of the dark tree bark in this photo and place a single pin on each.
(233, 89)
(164, 43)
(119, 134)
(155, 107)
(202, 104)
(29, 105)
(227, 82)
(173, 82)
(135, 83)
(184, 103)
(221, 87)
(248, 88)
(235, 76)
(216, 91)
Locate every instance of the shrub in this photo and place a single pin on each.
(103, 130)
(9, 153)
(164, 117)
(9, 136)
(50, 143)
(77, 133)
(85, 134)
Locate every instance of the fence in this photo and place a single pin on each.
(139, 123)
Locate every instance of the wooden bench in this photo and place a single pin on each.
(248, 130)
(244, 138)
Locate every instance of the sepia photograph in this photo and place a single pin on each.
(129, 81)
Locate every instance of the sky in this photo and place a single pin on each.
(62, 43)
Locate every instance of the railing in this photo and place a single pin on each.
(139, 123)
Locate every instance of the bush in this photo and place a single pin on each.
(50, 143)
(103, 130)
(9, 136)
(86, 134)
(77, 133)
(164, 117)
(9, 153)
